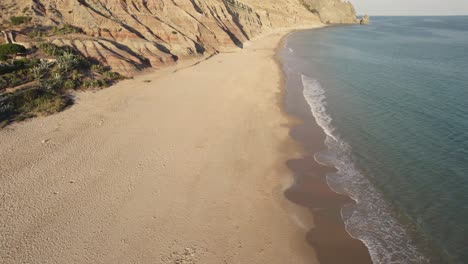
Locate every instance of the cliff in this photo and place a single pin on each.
(130, 35)
(332, 11)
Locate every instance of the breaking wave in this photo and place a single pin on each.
(370, 219)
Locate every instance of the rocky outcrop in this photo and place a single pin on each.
(364, 20)
(130, 35)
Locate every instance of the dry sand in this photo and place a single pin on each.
(187, 168)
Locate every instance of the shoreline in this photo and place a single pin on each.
(311, 189)
(145, 171)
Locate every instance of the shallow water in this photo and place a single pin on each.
(392, 98)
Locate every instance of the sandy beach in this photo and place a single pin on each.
(184, 166)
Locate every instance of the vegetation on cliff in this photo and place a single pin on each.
(42, 82)
(54, 47)
(18, 20)
(10, 49)
(136, 34)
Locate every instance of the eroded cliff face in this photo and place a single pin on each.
(332, 11)
(130, 35)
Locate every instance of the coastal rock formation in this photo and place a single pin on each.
(332, 11)
(364, 20)
(130, 35)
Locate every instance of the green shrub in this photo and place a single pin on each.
(54, 50)
(98, 68)
(52, 84)
(70, 71)
(5, 107)
(14, 79)
(33, 62)
(11, 49)
(70, 84)
(67, 61)
(43, 102)
(76, 75)
(110, 75)
(3, 83)
(8, 68)
(67, 29)
(64, 53)
(18, 20)
(32, 102)
(93, 83)
(36, 33)
(50, 49)
(40, 70)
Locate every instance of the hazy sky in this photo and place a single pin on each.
(411, 7)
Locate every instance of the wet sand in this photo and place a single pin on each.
(332, 244)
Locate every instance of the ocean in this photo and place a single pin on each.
(392, 99)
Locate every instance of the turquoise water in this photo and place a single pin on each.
(393, 100)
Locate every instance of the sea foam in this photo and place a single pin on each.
(371, 219)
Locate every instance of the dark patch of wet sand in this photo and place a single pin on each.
(329, 238)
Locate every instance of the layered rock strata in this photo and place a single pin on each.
(130, 35)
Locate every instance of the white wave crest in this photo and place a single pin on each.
(371, 219)
(315, 96)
